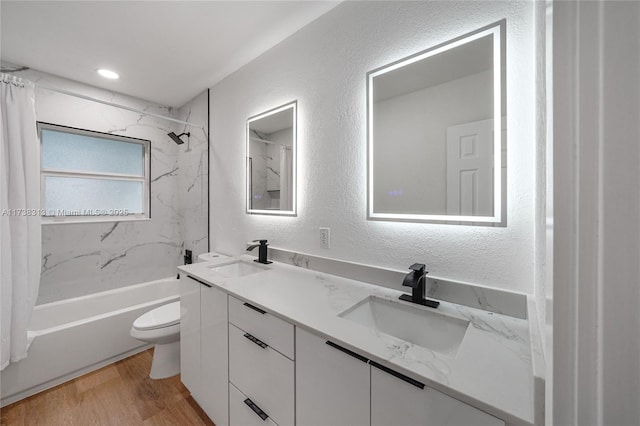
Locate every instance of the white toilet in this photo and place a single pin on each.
(162, 327)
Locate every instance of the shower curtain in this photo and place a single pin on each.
(20, 233)
(286, 178)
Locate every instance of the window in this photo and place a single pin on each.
(89, 175)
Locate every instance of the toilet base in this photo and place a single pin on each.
(166, 360)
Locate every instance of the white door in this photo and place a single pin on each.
(470, 169)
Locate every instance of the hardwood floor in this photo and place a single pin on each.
(119, 394)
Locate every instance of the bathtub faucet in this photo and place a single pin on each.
(262, 251)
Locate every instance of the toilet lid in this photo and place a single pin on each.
(164, 316)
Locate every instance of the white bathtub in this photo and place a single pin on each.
(74, 336)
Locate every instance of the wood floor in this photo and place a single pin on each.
(120, 394)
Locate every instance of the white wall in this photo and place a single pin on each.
(323, 67)
(544, 226)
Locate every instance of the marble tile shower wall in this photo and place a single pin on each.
(193, 178)
(85, 258)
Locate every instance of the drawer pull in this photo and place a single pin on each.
(201, 282)
(398, 375)
(256, 409)
(257, 341)
(347, 351)
(255, 308)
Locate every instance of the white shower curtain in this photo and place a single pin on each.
(20, 233)
(286, 178)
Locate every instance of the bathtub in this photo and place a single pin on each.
(74, 336)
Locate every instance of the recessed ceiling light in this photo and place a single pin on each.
(108, 74)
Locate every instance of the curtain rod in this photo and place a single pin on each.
(100, 101)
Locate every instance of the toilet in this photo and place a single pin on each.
(161, 326)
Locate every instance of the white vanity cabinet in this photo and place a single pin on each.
(332, 383)
(261, 366)
(247, 366)
(401, 401)
(204, 346)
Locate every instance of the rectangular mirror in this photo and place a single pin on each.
(435, 123)
(271, 161)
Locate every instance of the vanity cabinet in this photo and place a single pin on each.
(246, 366)
(261, 366)
(332, 384)
(395, 401)
(204, 346)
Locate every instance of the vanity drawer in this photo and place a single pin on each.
(241, 414)
(275, 332)
(262, 374)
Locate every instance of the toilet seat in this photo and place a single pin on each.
(161, 317)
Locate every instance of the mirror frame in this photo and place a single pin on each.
(290, 105)
(497, 30)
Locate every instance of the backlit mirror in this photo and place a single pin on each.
(271, 161)
(436, 133)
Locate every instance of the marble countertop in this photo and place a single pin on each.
(492, 369)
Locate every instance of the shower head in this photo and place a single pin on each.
(176, 138)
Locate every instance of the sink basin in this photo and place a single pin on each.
(420, 326)
(238, 268)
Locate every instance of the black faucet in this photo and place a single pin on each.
(416, 280)
(262, 251)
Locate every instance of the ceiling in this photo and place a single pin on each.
(166, 52)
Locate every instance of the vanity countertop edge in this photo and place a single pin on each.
(492, 370)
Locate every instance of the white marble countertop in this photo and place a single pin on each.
(492, 369)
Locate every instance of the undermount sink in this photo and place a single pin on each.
(238, 268)
(420, 326)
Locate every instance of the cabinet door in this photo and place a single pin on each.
(214, 357)
(332, 386)
(190, 335)
(397, 402)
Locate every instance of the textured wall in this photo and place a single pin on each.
(323, 67)
(86, 258)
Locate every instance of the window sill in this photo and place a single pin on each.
(102, 219)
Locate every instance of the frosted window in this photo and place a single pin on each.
(83, 153)
(68, 196)
(88, 174)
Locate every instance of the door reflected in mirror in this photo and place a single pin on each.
(271, 161)
(436, 133)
